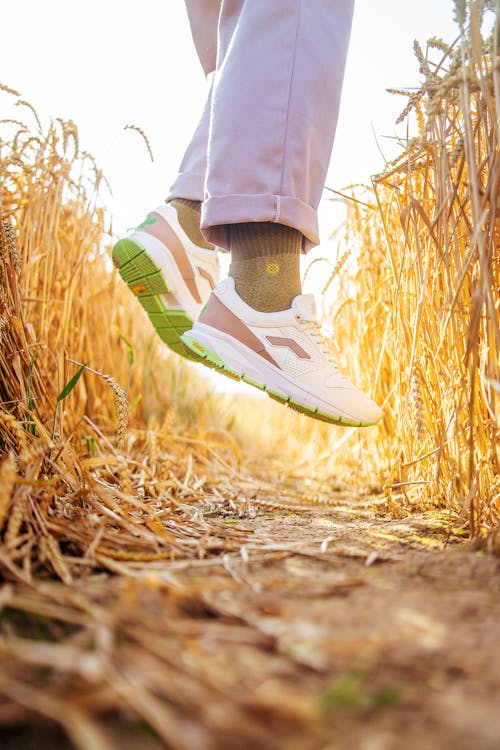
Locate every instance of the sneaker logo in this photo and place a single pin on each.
(139, 288)
(150, 219)
(290, 343)
(165, 233)
(272, 269)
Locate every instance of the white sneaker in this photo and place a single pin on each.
(283, 353)
(170, 275)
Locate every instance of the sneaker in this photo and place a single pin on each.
(282, 353)
(170, 275)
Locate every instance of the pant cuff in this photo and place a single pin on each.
(219, 211)
(187, 185)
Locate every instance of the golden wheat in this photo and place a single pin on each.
(427, 288)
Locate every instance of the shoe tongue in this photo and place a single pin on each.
(305, 305)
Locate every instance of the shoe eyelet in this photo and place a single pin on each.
(298, 318)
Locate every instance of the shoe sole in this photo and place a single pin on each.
(147, 282)
(211, 359)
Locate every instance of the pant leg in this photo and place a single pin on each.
(203, 18)
(274, 112)
(190, 182)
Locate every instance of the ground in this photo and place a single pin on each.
(338, 627)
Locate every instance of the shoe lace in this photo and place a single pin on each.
(326, 342)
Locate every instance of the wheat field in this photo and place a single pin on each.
(424, 300)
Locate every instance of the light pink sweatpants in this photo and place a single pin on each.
(263, 144)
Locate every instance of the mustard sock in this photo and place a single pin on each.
(188, 213)
(265, 264)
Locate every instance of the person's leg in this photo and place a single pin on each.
(274, 111)
(273, 117)
(204, 19)
(167, 263)
(186, 194)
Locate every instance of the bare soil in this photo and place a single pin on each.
(353, 630)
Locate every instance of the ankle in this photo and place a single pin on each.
(265, 264)
(188, 214)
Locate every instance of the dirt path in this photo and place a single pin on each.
(353, 631)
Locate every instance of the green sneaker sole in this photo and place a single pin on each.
(210, 359)
(146, 281)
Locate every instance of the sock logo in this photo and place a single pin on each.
(272, 269)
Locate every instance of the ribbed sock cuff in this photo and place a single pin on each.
(256, 239)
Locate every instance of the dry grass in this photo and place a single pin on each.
(72, 471)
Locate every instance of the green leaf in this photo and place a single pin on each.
(31, 426)
(90, 441)
(129, 348)
(29, 398)
(71, 384)
(134, 403)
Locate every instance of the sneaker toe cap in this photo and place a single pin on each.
(357, 405)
